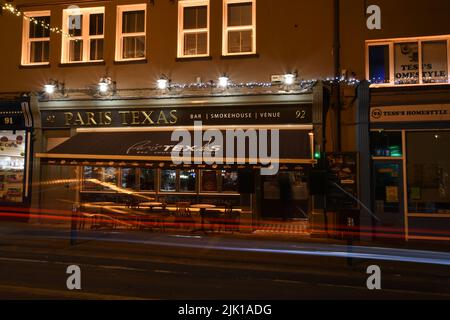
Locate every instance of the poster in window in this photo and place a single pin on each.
(435, 62)
(406, 63)
(392, 194)
(209, 181)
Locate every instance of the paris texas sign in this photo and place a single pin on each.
(180, 116)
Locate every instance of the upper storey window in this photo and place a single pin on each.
(193, 28)
(86, 29)
(415, 61)
(36, 38)
(239, 36)
(131, 32)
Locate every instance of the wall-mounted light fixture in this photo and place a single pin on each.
(224, 81)
(106, 86)
(289, 79)
(163, 83)
(55, 87)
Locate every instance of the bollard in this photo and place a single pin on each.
(74, 224)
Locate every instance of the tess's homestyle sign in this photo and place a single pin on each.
(431, 112)
(180, 116)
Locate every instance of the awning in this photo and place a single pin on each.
(150, 147)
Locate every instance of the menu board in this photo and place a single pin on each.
(12, 163)
(343, 178)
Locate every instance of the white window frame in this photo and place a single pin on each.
(391, 43)
(181, 32)
(26, 40)
(227, 29)
(85, 37)
(120, 36)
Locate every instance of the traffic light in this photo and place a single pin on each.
(317, 152)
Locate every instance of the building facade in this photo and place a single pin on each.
(99, 73)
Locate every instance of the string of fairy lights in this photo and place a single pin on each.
(7, 7)
(290, 83)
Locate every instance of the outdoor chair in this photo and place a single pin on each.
(183, 215)
(231, 219)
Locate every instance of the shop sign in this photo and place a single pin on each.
(12, 117)
(343, 180)
(408, 113)
(180, 116)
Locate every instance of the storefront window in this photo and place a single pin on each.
(188, 181)
(111, 177)
(147, 179)
(428, 172)
(379, 64)
(129, 178)
(209, 181)
(168, 180)
(229, 181)
(12, 164)
(386, 144)
(92, 178)
(406, 57)
(99, 179)
(434, 55)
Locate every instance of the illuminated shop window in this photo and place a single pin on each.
(379, 64)
(229, 181)
(193, 28)
(128, 178)
(408, 61)
(131, 32)
(435, 65)
(386, 144)
(168, 181)
(86, 27)
(12, 166)
(428, 169)
(239, 27)
(406, 56)
(147, 179)
(210, 181)
(36, 38)
(100, 179)
(188, 181)
(220, 181)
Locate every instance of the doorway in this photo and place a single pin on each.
(388, 196)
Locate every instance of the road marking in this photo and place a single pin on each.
(67, 294)
(289, 281)
(121, 268)
(169, 272)
(30, 260)
(421, 293)
(186, 237)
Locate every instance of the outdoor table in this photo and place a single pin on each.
(99, 203)
(151, 204)
(202, 208)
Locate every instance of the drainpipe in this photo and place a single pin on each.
(337, 74)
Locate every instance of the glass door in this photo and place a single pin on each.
(388, 197)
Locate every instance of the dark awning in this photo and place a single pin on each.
(156, 146)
